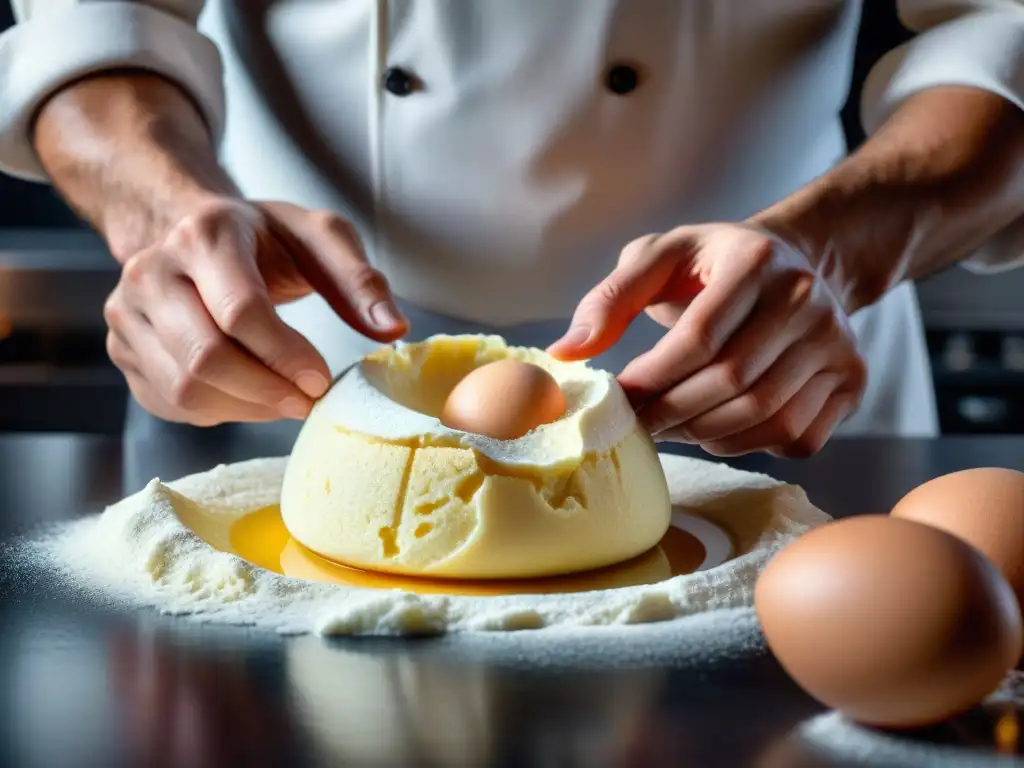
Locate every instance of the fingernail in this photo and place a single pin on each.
(576, 336)
(312, 383)
(385, 315)
(654, 427)
(293, 408)
(657, 425)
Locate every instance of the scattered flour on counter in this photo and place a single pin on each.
(834, 737)
(144, 551)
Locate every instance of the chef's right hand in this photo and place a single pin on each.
(192, 320)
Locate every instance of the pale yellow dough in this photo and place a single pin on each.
(375, 481)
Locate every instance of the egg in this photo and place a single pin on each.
(504, 400)
(984, 507)
(890, 621)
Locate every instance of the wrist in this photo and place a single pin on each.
(131, 154)
(168, 173)
(940, 176)
(130, 229)
(855, 229)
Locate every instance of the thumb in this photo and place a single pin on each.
(603, 315)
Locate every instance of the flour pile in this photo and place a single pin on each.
(143, 551)
(833, 737)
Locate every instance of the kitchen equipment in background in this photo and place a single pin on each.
(55, 275)
(976, 338)
(54, 370)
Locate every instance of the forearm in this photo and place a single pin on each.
(941, 176)
(130, 153)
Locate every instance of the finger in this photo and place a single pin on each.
(781, 318)
(840, 405)
(192, 338)
(603, 315)
(214, 407)
(786, 426)
(120, 353)
(165, 391)
(707, 324)
(761, 401)
(236, 297)
(328, 254)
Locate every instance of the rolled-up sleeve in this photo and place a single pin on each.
(978, 43)
(55, 42)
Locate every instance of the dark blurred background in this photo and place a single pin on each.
(55, 274)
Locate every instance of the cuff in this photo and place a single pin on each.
(983, 50)
(1002, 252)
(40, 56)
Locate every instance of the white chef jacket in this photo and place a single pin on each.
(492, 161)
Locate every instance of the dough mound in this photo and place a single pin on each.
(376, 481)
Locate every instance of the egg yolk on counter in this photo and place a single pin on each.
(261, 538)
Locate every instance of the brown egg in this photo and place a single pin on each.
(892, 622)
(504, 400)
(984, 507)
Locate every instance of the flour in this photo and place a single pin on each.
(834, 737)
(143, 551)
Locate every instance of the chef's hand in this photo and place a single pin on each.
(192, 320)
(759, 354)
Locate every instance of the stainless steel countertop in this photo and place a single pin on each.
(83, 685)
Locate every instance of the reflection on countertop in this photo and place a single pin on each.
(88, 684)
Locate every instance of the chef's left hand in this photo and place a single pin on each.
(759, 354)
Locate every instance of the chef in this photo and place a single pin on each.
(660, 185)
